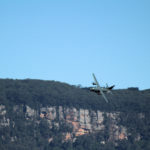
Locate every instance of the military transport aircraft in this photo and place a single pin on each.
(101, 90)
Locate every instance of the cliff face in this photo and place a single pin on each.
(83, 121)
(80, 121)
(4, 121)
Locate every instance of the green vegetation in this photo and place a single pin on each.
(37, 93)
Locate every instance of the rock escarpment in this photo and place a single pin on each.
(81, 121)
(4, 121)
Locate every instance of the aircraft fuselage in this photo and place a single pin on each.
(105, 90)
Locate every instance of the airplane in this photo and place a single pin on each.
(101, 90)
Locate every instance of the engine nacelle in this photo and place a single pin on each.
(94, 83)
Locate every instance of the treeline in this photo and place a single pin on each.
(37, 93)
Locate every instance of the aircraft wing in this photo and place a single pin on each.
(98, 86)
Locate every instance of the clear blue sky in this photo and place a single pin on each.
(68, 40)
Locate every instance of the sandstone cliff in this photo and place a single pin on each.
(81, 121)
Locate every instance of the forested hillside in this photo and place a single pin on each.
(50, 93)
(17, 131)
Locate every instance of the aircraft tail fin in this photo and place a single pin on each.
(111, 87)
